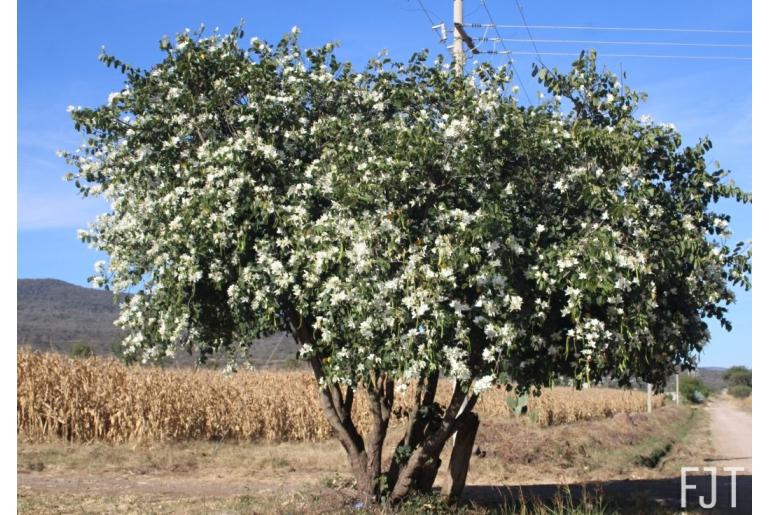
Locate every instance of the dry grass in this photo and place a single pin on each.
(744, 404)
(303, 477)
(100, 399)
(625, 446)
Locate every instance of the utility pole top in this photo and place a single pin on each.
(460, 37)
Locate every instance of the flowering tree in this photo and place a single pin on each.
(402, 224)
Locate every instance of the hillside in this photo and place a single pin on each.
(711, 377)
(54, 315)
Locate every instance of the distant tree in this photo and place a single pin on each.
(738, 376)
(402, 223)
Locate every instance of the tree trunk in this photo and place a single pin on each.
(337, 409)
(461, 456)
(419, 469)
(424, 439)
(427, 476)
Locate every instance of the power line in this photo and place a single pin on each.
(513, 65)
(697, 57)
(439, 27)
(630, 29)
(601, 42)
(531, 39)
(427, 14)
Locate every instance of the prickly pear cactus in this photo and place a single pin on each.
(518, 405)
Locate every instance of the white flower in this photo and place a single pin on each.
(454, 130)
(457, 368)
(540, 228)
(174, 92)
(573, 292)
(366, 328)
(482, 384)
(459, 307)
(514, 302)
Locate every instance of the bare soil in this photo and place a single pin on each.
(731, 433)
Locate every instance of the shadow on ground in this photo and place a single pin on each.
(628, 496)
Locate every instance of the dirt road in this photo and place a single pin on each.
(730, 435)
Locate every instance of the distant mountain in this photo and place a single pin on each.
(54, 315)
(711, 377)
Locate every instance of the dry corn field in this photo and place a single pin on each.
(102, 399)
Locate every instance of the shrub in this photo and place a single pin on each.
(693, 390)
(738, 376)
(739, 391)
(81, 350)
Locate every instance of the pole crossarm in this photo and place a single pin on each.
(466, 38)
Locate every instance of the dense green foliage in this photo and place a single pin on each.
(740, 391)
(692, 389)
(413, 219)
(739, 381)
(81, 350)
(738, 376)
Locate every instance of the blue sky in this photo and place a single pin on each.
(58, 44)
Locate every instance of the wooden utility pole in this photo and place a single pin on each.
(649, 398)
(677, 389)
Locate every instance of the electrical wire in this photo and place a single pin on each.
(697, 57)
(513, 65)
(531, 39)
(427, 14)
(630, 29)
(601, 42)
